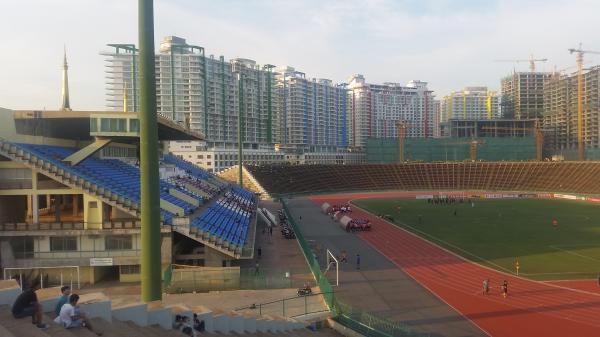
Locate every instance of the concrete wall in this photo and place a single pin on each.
(13, 208)
(214, 258)
(205, 278)
(93, 216)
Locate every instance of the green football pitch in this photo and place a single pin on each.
(496, 232)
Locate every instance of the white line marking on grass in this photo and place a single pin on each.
(576, 254)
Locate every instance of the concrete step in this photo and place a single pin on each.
(80, 332)
(56, 330)
(115, 328)
(5, 332)
(9, 290)
(19, 327)
(153, 331)
(131, 311)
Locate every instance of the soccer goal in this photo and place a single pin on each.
(332, 262)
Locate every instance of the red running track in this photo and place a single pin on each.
(531, 309)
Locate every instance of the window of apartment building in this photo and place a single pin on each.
(22, 247)
(118, 242)
(208, 156)
(130, 269)
(63, 243)
(200, 156)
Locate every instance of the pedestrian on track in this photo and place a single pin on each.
(357, 261)
(505, 289)
(486, 286)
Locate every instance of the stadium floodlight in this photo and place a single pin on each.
(332, 261)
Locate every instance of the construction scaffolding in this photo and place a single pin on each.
(523, 95)
(560, 113)
(386, 151)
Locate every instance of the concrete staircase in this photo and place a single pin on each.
(250, 183)
(134, 319)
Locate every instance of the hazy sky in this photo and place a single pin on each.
(448, 43)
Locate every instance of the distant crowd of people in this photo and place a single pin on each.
(358, 225)
(344, 208)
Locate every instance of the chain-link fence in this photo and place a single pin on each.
(203, 279)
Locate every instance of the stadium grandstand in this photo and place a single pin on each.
(72, 198)
(574, 177)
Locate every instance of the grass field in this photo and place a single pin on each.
(497, 231)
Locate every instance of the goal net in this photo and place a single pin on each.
(332, 262)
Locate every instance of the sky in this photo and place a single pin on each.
(448, 43)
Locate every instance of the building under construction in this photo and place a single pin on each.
(523, 95)
(560, 114)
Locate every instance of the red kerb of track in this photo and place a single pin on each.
(531, 309)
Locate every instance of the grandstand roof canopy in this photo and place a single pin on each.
(76, 125)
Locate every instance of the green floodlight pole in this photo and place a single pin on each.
(172, 60)
(269, 69)
(149, 178)
(191, 48)
(204, 85)
(240, 78)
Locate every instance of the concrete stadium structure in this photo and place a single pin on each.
(69, 185)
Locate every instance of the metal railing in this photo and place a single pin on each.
(75, 254)
(289, 307)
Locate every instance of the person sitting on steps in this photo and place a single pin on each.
(27, 304)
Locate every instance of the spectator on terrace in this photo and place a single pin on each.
(178, 322)
(187, 327)
(27, 304)
(71, 316)
(198, 324)
(65, 291)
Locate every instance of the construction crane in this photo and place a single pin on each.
(539, 137)
(531, 61)
(579, 59)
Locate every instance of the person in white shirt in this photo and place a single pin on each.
(71, 316)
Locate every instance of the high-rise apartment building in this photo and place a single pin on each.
(200, 91)
(312, 113)
(277, 106)
(377, 108)
(560, 110)
(523, 95)
(470, 103)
